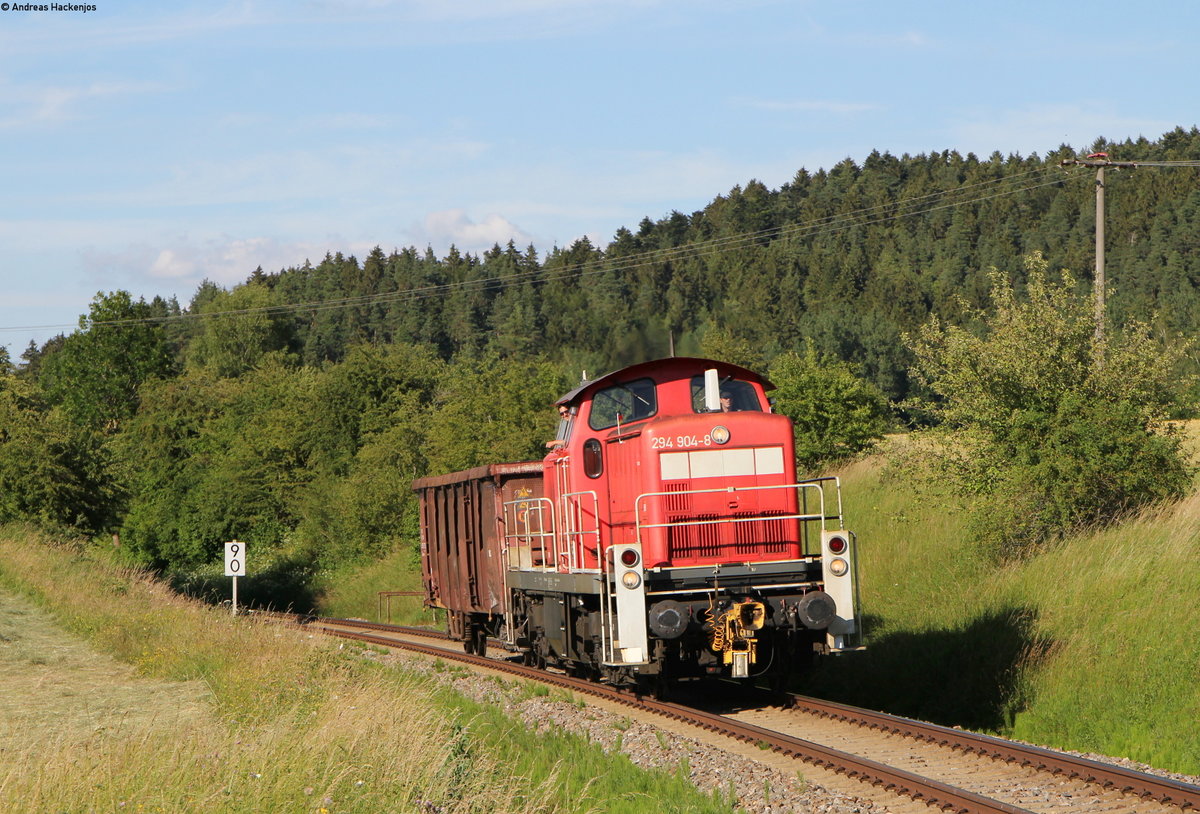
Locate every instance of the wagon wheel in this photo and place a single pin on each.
(474, 640)
(480, 635)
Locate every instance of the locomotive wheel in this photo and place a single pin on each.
(653, 686)
(538, 651)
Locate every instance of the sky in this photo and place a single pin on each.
(148, 146)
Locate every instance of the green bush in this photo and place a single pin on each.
(1045, 426)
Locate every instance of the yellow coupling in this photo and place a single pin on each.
(733, 634)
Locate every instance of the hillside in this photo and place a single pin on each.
(293, 410)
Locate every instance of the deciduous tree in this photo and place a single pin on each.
(96, 372)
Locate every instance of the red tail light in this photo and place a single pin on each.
(629, 558)
(837, 545)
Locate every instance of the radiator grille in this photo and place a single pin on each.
(677, 499)
(686, 542)
(708, 539)
(760, 536)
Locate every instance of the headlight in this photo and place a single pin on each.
(719, 435)
(631, 580)
(838, 567)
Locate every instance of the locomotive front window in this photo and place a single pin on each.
(622, 403)
(736, 396)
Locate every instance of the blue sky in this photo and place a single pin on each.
(148, 146)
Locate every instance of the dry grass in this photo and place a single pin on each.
(52, 681)
(201, 712)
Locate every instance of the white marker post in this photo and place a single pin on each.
(235, 565)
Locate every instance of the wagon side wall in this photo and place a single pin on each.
(462, 535)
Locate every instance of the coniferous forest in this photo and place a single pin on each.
(293, 410)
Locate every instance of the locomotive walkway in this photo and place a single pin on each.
(906, 765)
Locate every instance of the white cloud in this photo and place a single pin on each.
(182, 263)
(169, 264)
(453, 226)
(1042, 128)
(55, 104)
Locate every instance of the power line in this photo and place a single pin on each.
(864, 216)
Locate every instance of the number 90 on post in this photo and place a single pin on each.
(235, 559)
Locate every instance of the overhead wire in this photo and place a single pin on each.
(829, 224)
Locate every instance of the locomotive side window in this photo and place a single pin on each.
(566, 417)
(736, 396)
(593, 459)
(622, 403)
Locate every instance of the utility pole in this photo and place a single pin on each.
(1100, 162)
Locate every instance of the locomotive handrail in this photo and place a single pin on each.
(572, 513)
(813, 483)
(565, 521)
(809, 484)
(753, 519)
(801, 487)
(520, 533)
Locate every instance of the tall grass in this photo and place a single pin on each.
(1121, 609)
(1090, 644)
(353, 591)
(294, 723)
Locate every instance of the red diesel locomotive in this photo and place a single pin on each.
(665, 535)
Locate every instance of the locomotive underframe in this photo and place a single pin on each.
(557, 619)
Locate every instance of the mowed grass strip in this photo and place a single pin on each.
(50, 681)
(194, 710)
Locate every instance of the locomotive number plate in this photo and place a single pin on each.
(682, 441)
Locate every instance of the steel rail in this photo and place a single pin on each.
(1109, 776)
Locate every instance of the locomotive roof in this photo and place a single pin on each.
(686, 363)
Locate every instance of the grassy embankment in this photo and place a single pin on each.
(218, 714)
(1089, 645)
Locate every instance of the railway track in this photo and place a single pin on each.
(944, 769)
